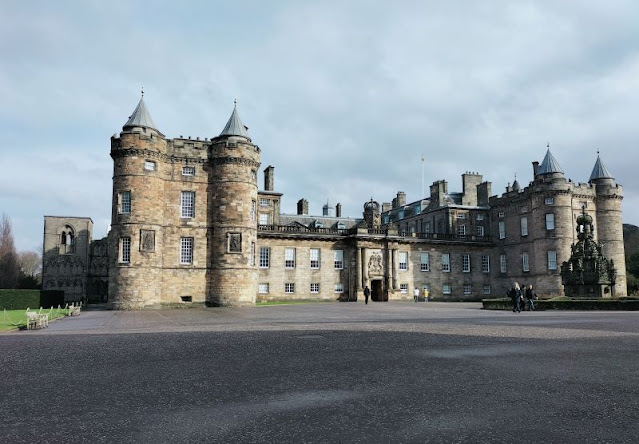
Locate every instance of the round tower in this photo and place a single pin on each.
(235, 161)
(609, 222)
(135, 239)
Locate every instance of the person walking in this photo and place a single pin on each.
(515, 295)
(367, 293)
(530, 298)
(416, 294)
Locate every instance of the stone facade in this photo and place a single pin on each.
(189, 226)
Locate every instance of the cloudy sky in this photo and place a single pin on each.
(343, 97)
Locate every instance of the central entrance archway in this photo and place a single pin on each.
(377, 291)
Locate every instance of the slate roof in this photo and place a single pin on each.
(600, 171)
(549, 165)
(235, 127)
(140, 118)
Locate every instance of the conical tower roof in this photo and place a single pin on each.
(140, 117)
(549, 165)
(600, 171)
(235, 127)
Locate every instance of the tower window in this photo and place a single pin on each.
(124, 202)
(187, 204)
(186, 250)
(149, 165)
(125, 250)
(188, 171)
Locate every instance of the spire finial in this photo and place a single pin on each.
(597, 151)
(235, 102)
(142, 90)
(548, 145)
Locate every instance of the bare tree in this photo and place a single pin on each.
(30, 263)
(9, 264)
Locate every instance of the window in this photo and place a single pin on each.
(500, 214)
(125, 250)
(461, 230)
(485, 263)
(339, 288)
(315, 258)
(427, 227)
(425, 262)
(188, 204)
(125, 202)
(550, 221)
(502, 263)
(262, 288)
(466, 263)
(314, 287)
(149, 165)
(263, 219)
(552, 260)
(549, 201)
(523, 209)
(264, 202)
(403, 260)
(446, 262)
(446, 289)
(252, 255)
(289, 287)
(186, 250)
(480, 217)
(524, 226)
(468, 289)
(461, 216)
(289, 258)
(486, 289)
(502, 229)
(479, 230)
(525, 262)
(252, 211)
(265, 253)
(338, 259)
(188, 171)
(403, 288)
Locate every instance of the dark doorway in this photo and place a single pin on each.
(377, 291)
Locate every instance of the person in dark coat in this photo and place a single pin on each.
(530, 298)
(367, 293)
(515, 295)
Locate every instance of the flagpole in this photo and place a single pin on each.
(422, 190)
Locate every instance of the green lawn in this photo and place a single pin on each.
(14, 319)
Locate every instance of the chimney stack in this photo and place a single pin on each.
(268, 178)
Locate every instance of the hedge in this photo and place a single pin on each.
(627, 304)
(23, 299)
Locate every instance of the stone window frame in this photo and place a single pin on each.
(550, 221)
(150, 165)
(315, 259)
(265, 257)
(339, 288)
(501, 225)
(263, 219)
(447, 289)
(487, 289)
(549, 201)
(338, 259)
(503, 263)
(485, 263)
(289, 287)
(446, 262)
(234, 243)
(465, 262)
(403, 288)
(125, 250)
(402, 261)
(289, 258)
(479, 230)
(424, 258)
(525, 262)
(187, 247)
(187, 204)
(467, 289)
(552, 259)
(263, 288)
(144, 246)
(523, 222)
(315, 287)
(188, 171)
(124, 202)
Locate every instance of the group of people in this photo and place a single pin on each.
(522, 296)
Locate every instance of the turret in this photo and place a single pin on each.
(137, 219)
(549, 167)
(609, 223)
(235, 162)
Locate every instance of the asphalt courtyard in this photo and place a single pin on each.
(324, 373)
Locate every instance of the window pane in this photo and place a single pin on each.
(188, 201)
(186, 250)
(425, 262)
(264, 257)
(339, 259)
(315, 258)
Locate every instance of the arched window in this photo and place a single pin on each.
(67, 240)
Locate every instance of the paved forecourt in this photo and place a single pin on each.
(332, 372)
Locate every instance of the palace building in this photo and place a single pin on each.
(190, 225)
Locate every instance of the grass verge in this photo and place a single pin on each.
(15, 319)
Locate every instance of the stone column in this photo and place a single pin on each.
(359, 270)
